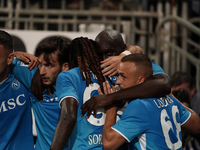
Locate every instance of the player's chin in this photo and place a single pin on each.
(47, 84)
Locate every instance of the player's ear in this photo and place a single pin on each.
(141, 79)
(65, 67)
(10, 58)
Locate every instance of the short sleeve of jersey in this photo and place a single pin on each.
(65, 86)
(133, 121)
(22, 72)
(156, 68)
(184, 113)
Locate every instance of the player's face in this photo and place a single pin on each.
(128, 75)
(106, 52)
(49, 71)
(4, 71)
(106, 49)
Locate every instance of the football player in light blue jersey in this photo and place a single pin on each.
(153, 123)
(110, 43)
(52, 58)
(74, 87)
(73, 92)
(15, 107)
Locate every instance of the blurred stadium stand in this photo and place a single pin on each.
(167, 30)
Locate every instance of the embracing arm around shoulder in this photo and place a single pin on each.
(65, 124)
(27, 58)
(157, 87)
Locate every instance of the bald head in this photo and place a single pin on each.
(110, 43)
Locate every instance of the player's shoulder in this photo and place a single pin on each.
(69, 72)
(72, 75)
(137, 103)
(16, 84)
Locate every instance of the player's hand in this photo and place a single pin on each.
(112, 62)
(27, 58)
(134, 49)
(99, 100)
(107, 89)
(111, 65)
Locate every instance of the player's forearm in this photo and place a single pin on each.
(67, 121)
(108, 135)
(148, 89)
(62, 133)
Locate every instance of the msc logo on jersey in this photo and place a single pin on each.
(15, 84)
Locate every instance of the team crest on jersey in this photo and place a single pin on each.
(15, 84)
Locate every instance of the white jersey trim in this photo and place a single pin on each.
(186, 119)
(67, 97)
(121, 134)
(142, 140)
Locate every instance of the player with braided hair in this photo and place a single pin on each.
(74, 87)
(82, 54)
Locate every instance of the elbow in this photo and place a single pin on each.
(107, 145)
(168, 89)
(167, 85)
(163, 84)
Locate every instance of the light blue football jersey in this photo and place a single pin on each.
(15, 116)
(153, 124)
(87, 133)
(156, 68)
(46, 113)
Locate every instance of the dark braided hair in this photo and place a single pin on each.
(82, 54)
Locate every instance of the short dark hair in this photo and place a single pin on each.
(141, 61)
(54, 44)
(180, 77)
(6, 40)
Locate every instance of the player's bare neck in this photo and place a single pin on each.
(50, 90)
(4, 74)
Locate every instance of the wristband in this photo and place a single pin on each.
(126, 52)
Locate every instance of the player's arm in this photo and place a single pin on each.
(65, 124)
(30, 59)
(112, 62)
(37, 86)
(156, 87)
(111, 139)
(193, 123)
